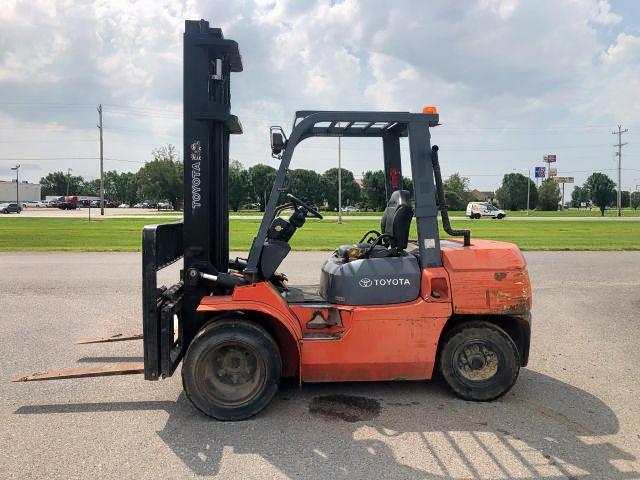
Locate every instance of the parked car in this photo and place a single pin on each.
(484, 209)
(165, 206)
(350, 209)
(32, 204)
(10, 208)
(123, 205)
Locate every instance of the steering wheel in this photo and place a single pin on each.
(297, 202)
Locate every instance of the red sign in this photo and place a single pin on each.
(394, 173)
(550, 158)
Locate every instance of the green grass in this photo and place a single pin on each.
(627, 212)
(119, 235)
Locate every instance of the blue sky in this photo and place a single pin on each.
(513, 80)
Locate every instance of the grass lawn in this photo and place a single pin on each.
(71, 234)
(626, 212)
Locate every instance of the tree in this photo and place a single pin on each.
(601, 190)
(512, 195)
(579, 196)
(350, 189)
(635, 200)
(91, 188)
(374, 191)
(122, 187)
(457, 192)
(261, 178)
(162, 178)
(55, 183)
(407, 184)
(238, 185)
(307, 185)
(625, 197)
(548, 195)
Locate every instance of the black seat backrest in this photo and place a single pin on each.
(396, 219)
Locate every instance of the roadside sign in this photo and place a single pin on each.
(550, 158)
(553, 172)
(564, 179)
(540, 172)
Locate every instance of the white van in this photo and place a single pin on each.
(484, 209)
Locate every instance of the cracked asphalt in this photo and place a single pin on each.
(574, 412)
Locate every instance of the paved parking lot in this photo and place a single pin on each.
(574, 412)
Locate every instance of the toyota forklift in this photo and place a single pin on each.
(386, 306)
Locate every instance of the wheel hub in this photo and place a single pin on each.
(235, 366)
(232, 373)
(477, 361)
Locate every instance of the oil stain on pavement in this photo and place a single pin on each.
(349, 408)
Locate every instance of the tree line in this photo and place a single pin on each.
(161, 179)
(598, 190)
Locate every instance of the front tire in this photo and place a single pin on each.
(231, 370)
(479, 361)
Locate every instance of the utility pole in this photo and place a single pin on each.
(17, 168)
(619, 154)
(339, 181)
(101, 162)
(68, 178)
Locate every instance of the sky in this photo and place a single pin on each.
(512, 80)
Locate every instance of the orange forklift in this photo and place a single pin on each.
(386, 307)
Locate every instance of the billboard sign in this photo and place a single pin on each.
(541, 172)
(550, 158)
(553, 172)
(564, 179)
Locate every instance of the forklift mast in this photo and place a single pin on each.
(203, 237)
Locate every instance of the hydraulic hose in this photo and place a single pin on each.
(442, 201)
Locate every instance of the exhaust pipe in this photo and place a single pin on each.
(442, 201)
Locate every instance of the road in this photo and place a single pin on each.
(574, 412)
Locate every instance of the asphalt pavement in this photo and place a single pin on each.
(574, 412)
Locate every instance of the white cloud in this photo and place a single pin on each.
(491, 63)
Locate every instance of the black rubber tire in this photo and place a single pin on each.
(499, 342)
(500, 216)
(219, 334)
(5, 211)
(477, 216)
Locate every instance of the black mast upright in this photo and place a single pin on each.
(209, 60)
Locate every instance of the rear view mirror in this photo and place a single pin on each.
(278, 141)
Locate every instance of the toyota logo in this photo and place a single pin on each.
(365, 282)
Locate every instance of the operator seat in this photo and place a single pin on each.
(394, 231)
(376, 273)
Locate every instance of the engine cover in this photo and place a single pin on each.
(371, 281)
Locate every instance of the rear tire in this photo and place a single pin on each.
(476, 216)
(231, 370)
(500, 216)
(479, 361)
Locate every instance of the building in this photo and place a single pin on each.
(479, 196)
(28, 192)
